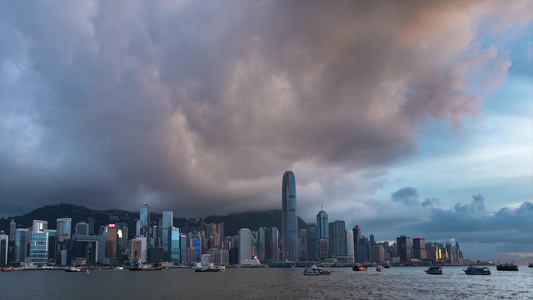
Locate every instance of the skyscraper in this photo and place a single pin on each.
(144, 217)
(312, 236)
(289, 219)
(404, 248)
(167, 233)
(245, 245)
(64, 230)
(419, 248)
(322, 234)
(337, 238)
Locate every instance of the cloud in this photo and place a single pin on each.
(201, 108)
(406, 195)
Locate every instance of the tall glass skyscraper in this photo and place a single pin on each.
(289, 218)
(167, 234)
(144, 219)
(322, 233)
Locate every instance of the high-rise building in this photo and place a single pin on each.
(323, 233)
(144, 222)
(174, 245)
(312, 242)
(167, 233)
(38, 246)
(349, 243)
(289, 219)
(357, 235)
(21, 244)
(111, 243)
(63, 240)
(138, 248)
(12, 230)
(4, 241)
(337, 239)
(245, 245)
(419, 248)
(404, 248)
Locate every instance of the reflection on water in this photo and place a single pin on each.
(280, 283)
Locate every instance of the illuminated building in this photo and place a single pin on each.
(289, 218)
(111, 234)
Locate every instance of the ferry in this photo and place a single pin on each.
(315, 270)
(474, 270)
(359, 267)
(434, 270)
(530, 265)
(72, 269)
(507, 267)
(210, 268)
(379, 268)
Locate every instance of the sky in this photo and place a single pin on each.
(403, 117)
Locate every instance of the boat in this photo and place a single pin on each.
(530, 265)
(210, 268)
(475, 270)
(119, 268)
(148, 267)
(387, 265)
(315, 270)
(72, 269)
(379, 268)
(9, 269)
(507, 267)
(434, 270)
(359, 267)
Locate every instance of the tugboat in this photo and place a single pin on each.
(136, 265)
(507, 267)
(434, 270)
(474, 270)
(359, 267)
(530, 265)
(315, 270)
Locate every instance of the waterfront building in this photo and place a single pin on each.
(89, 247)
(4, 241)
(138, 246)
(349, 243)
(167, 232)
(261, 244)
(63, 239)
(174, 245)
(111, 245)
(38, 246)
(82, 228)
(272, 244)
(337, 239)
(183, 248)
(419, 248)
(322, 233)
(378, 253)
(312, 241)
(289, 221)
(404, 248)
(357, 235)
(245, 244)
(21, 244)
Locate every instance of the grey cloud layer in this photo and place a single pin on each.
(201, 107)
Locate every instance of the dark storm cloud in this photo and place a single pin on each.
(406, 195)
(200, 107)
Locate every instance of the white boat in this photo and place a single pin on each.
(315, 270)
(210, 268)
(475, 270)
(72, 269)
(379, 268)
(119, 268)
(434, 270)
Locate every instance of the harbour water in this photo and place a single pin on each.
(268, 283)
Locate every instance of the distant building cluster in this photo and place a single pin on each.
(329, 242)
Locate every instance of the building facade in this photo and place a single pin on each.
(289, 218)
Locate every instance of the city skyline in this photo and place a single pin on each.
(413, 115)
